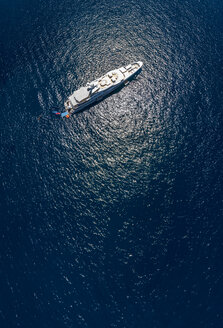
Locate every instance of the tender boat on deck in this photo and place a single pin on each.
(98, 89)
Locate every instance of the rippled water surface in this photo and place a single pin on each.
(112, 218)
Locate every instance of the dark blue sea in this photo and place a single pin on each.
(112, 218)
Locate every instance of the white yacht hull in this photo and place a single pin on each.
(100, 88)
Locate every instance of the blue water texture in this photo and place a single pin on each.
(112, 218)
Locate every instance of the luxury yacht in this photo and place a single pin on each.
(98, 89)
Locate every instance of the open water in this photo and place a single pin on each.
(114, 217)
